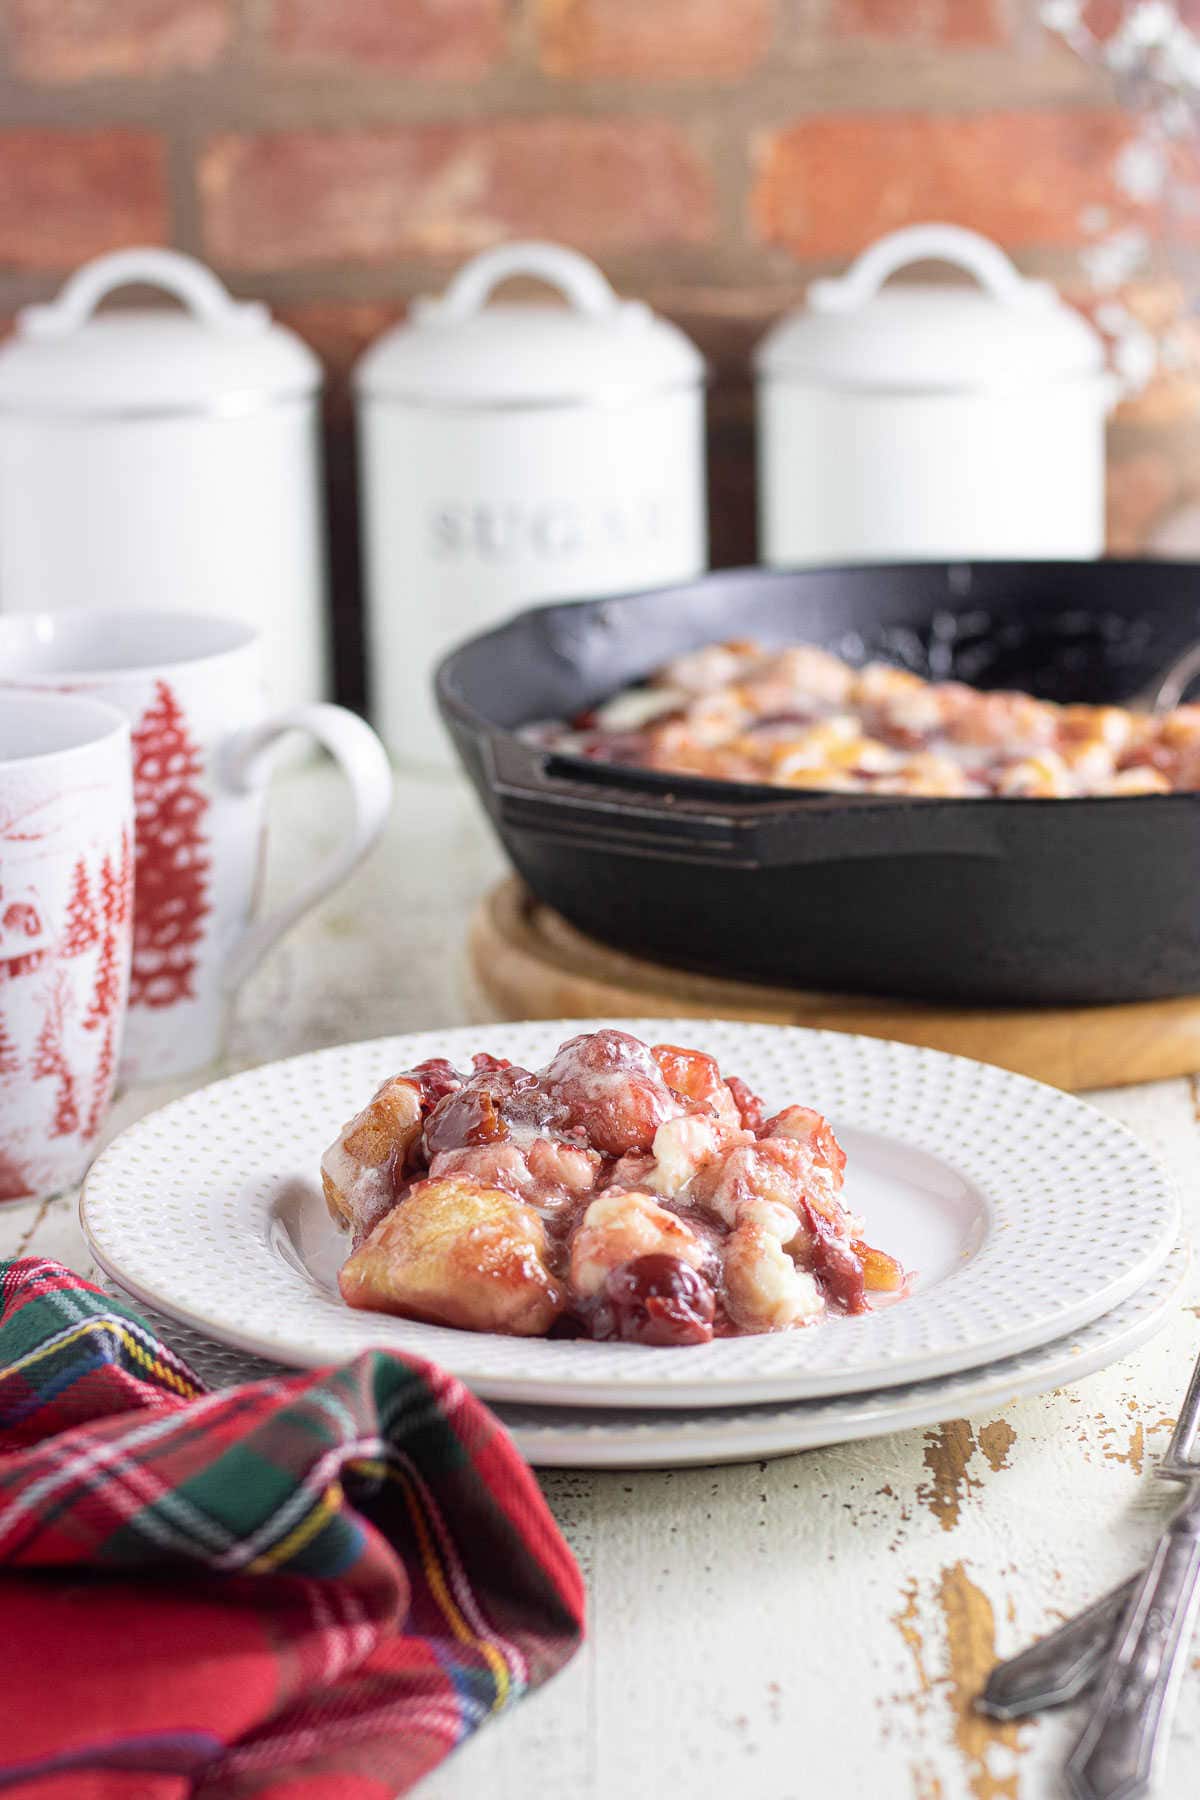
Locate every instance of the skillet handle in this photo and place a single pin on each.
(606, 808)
(536, 790)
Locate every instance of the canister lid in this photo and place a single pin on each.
(1004, 332)
(459, 351)
(66, 360)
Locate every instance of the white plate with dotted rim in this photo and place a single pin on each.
(588, 1438)
(1025, 1214)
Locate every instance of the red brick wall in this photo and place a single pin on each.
(337, 156)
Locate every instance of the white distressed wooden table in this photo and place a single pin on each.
(815, 1626)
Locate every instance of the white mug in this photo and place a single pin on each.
(191, 687)
(66, 893)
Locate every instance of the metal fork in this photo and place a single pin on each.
(1168, 689)
(1134, 1640)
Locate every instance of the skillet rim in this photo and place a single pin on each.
(760, 796)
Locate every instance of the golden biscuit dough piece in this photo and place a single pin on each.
(455, 1253)
(927, 773)
(1110, 726)
(764, 1289)
(389, 1122)
(1135, 781)
(1043, 777)
(618, 1228)
(355, 1170)
(878, 684)
(335, 1200)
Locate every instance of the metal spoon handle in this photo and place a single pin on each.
(1118, 1753)
(1060, 1665)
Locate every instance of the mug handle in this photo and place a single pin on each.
(362, 760)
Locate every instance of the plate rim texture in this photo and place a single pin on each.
(740, 1434)
(556, 1438)
(1064, 1184)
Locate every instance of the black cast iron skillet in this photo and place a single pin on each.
(1019, 902)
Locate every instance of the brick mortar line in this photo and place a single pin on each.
(251, 26)
(252, 88)
(241, 92)
(5, 47)
(183, 197)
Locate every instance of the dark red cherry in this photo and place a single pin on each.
(435, 1079)
(464, 1119)
(658, 1299)
(497, 1100)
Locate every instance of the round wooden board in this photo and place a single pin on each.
(529, 963)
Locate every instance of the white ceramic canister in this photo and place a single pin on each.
(166, 457)
(931, 420)
(514, 453)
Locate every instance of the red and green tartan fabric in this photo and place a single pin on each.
(389, 1574)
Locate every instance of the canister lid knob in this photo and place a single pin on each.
(1003, 330)
(463, 348)
(212, 353)
(188, 280)
(996, 273)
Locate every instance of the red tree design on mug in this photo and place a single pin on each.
(50, 1062)
(124, 881)
(106, 990)
(171, 867)
(10, 1060)
(101, 1085)
(82, 929)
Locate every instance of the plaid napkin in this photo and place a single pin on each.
(389, 1574)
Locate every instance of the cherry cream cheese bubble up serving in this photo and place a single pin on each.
(801, 718)
(622, 1192)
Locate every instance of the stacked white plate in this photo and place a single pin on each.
(1044, 1237)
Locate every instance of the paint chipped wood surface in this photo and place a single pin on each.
(815, 1626)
